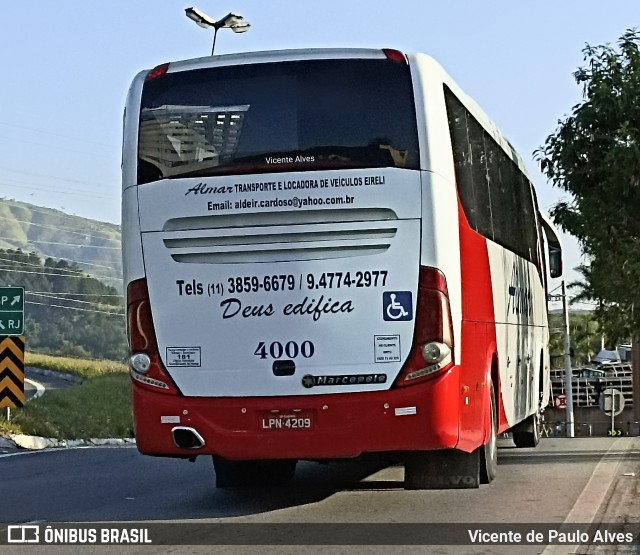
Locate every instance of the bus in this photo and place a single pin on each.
(330, 253)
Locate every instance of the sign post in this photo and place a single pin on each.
(612, 403)
(11, 348)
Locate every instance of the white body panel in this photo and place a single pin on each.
(521, 331)
(193, 275)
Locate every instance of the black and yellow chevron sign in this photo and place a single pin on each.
(12, 371)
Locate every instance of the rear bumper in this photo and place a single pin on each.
(419, 417)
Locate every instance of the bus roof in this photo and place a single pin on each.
(268, 56)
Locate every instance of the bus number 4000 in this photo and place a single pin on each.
(290, 350)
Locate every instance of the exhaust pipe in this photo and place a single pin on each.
(187, 438)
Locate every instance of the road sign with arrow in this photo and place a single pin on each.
(11, 311)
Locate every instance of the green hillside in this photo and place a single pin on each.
(92, 245)
(70, 268)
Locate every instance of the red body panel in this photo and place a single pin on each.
(345, 425)
(478, 341)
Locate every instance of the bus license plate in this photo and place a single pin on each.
(286, 421)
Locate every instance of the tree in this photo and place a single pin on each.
(585, 337)
(594, 155)
(613, 319)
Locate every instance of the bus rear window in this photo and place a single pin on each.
(272, 117)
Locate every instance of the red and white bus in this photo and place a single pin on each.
(329, 253)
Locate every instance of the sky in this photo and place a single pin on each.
(67, 66)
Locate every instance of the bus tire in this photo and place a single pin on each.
(239, 474)
(489, 467)
(527, 433)
(445, 469)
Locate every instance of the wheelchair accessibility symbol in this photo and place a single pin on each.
(397, 306)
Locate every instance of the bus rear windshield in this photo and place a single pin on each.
(273, 117)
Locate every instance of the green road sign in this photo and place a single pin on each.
(11, 311)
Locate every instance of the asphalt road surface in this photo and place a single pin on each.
(562, 481)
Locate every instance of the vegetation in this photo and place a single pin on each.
(585, 333)
(594, 155)
(77, 367)
(67, 312)
(100, 407)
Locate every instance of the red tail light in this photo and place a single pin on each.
(395, 55)
(142, 339)
(156, 72)
(432, 349)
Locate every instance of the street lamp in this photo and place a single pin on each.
(231, 21)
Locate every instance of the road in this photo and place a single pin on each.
(563, 480)
(37, 378)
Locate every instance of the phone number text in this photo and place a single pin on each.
(291, 282)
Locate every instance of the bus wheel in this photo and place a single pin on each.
(239, 474)
(489, 467)
(446, 469)
(527, 433)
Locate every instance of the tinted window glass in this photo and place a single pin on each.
(468, 155)
(291, 116)
(529, 224)
(496, 196)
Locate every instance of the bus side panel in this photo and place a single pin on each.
(132, 259)
(439, 201)
(479, 333)
(520, 324)
(474, 384)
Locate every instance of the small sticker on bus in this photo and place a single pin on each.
(169, 420)
(183, 357)
(386, 348)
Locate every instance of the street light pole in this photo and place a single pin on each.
(215, 34)
(568, 372)
(231, 21)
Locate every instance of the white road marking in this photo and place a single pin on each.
(40, 389)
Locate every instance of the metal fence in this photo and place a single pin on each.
(586, 390)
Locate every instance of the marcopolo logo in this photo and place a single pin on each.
(310, 381)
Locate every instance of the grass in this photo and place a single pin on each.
(100, 407)
(78, 367)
